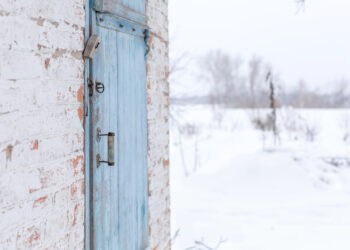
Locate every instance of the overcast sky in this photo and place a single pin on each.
(311, 44)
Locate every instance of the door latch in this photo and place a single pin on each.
(98, 86)
(110, 148)
(91, 46)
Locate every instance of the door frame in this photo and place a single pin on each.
(87, 130)
(90, 15)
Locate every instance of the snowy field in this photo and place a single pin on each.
(232, 184)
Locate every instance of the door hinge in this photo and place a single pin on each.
(86, 111)
(91, 87)
(146, 39)
(91, 46)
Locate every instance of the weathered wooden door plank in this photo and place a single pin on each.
(105, 179)
(132, 123)
(133, 10)
(119, 195)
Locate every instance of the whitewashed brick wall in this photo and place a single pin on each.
(158, 126)
(41, 124)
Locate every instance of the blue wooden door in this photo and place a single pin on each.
(119, 129)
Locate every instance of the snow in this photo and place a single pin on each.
(255, 195)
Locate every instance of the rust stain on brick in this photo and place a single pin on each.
(76, 162)
(76, 27)
(149, 175)
(32, 190)
(59, 53)
(47, 63)
(77, 55)
(80, 114)
(44, 179)
(80, 138)
(35, 145)
(54, 23)
(82, 186)
(39, 20)
(165, 163)
(34, 236)
(149, 100)
(167, 74)
(75, 218)
(4, 13)
(40, 46)
(73, 189)
(80, 94)
(150, 40)
(39, 201)
(8, 150)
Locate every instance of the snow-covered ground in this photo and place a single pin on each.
(229, 184)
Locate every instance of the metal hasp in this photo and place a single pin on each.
(146, 39)
(110, 148)
(91, 46)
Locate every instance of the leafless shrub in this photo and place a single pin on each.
(345, 126)
(337, 162)
(300, 5)
(218, 115)
(299, 126)
(291, 122)
(311, 130)
(189, 130)
(263, 123)
(201, 245)
(176, 235)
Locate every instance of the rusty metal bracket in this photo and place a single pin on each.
(91, 87)
(110, 148)
(146, 39)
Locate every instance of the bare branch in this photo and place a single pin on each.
(179, 63)
(200, 245)
(300, 5)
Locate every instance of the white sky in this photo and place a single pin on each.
(312, 44)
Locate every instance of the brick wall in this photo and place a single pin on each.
(41, 124)
(158, 126)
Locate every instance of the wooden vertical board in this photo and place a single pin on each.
(132, 123)
(105, 178)
(119, 194)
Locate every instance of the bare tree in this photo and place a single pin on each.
(178, 63)
(222, 72)
(340, 96)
